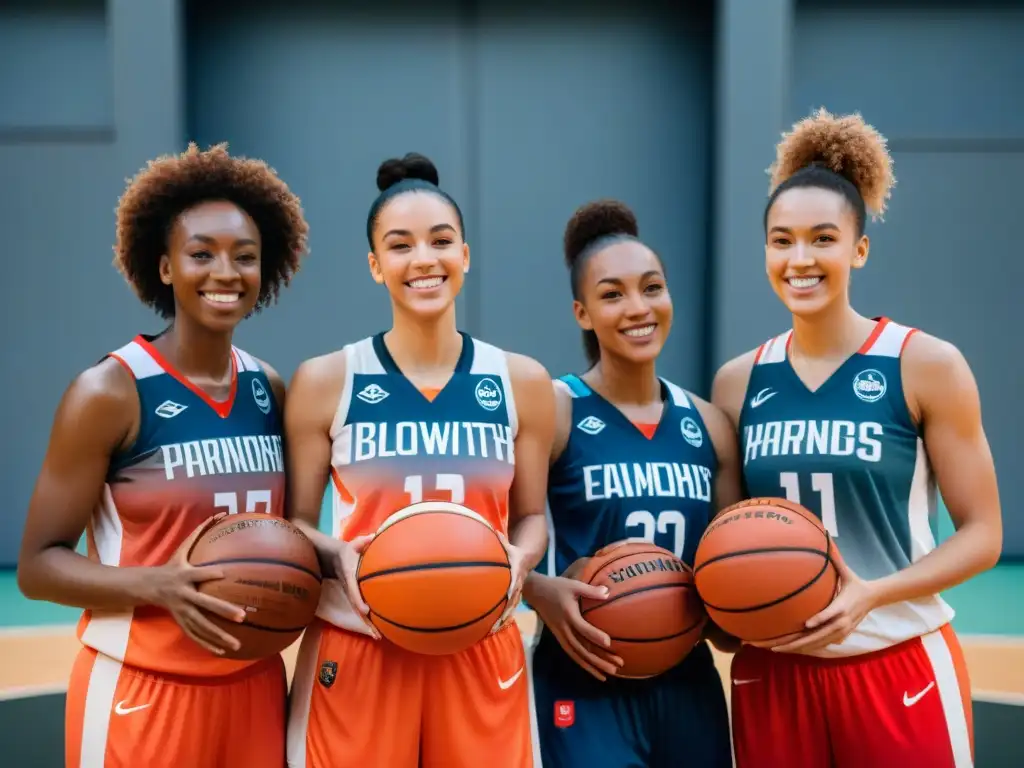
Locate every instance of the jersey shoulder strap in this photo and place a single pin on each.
(677, 395)
(572, 384)
(773, 350)
(135, 359)
(889, 339)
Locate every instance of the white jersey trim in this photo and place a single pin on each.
(774, 350)
(678, 394)
(489, 359)
(890, 341)
(141, 364)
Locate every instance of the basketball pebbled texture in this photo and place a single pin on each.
(652, 614)
(764, 567)
(436, 578)
(270, 570)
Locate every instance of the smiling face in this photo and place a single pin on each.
(812, 244)
(419, 254)
(624, 299)
(213, 264)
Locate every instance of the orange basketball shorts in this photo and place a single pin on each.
(123, 717)
(362, 703)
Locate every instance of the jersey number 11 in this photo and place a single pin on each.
(821, 483)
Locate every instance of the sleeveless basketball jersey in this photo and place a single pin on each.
(612, 482)
(393, 445)
(851, 453)
(194, 457)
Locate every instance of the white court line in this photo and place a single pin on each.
(41, 630)
(999, 697)
(29, 691)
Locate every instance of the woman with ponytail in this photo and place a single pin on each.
(620, 413)
(860, 420)
(359, 701)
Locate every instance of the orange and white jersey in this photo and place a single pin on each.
(194, 457)
(394, 445)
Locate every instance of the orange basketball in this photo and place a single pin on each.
(435, 577)
(764, 567)
(270, 570)
(652, 613)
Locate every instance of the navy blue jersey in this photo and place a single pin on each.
(194, 457)
(851, 453)
(612, 482)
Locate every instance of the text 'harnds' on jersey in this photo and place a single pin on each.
(393, 445)
(194, 457)
(612, 482)
(850, 452)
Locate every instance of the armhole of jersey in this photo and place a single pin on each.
(246, 362)
(679, 397)
(490, 360)
(345, 400)
(890, 341)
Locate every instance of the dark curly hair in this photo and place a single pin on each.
(171, 184)
(842, 154)
(592, 228)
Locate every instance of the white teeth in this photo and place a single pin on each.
(804, 282)
(426, 282)
(646, 330)
(222, 298)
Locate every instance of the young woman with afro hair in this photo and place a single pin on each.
(148, 447)
(861, 420)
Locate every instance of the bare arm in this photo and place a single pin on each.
(528, 530)
(97, 415)
(943, 395)
(313, 399)
(729, 475)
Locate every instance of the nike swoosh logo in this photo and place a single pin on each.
(762, 397)
(909, 701)
(121, 709)
(746, 682)
(506, 684)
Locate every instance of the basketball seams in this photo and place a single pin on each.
(436, 567)
(637, 591)
(434, 630)
(663, 553)
(760, 551)
(260, 561)
(824, 568)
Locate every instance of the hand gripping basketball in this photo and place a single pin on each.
(557, 601)
(172, 587)
(346, 565)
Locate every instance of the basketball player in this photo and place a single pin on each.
(856, 418)
(358, 701)
(618, 427)
(148, 447)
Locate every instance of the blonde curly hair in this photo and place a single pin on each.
(843, 144)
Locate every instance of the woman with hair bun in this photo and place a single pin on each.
(621, 413)
(357, 701)
(858, 419)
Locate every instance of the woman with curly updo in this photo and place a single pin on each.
(148, 447)
(860, 420)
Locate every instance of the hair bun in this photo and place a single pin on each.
(601, 218)
(412, 166)
(845, 145)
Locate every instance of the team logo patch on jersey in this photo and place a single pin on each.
(168, 409)
(691, 432)
(488, 394)
(591, 425)
(869, 385)
(372, 394)
(259, 394)
(328, 673)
